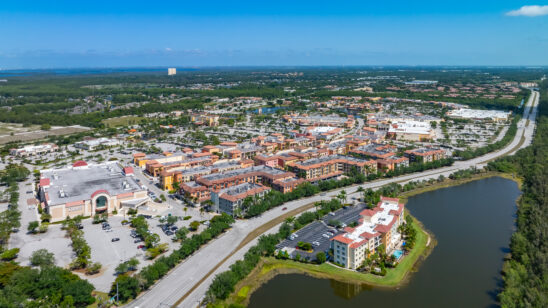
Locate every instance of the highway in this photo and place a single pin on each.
(187, 283)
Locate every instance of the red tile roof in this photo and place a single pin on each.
(79, 163)
(44, 182)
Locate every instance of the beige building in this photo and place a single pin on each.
(377, 226)
(87, 190)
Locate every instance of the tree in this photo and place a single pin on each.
(125, 287)
(321, 257)
(42, 257)
(181, 233)
(45, 126)
(342, 196)
(172, 220)
(132, 263)
(194, 225)
(151, 240)
(122, 268)
(32, 226)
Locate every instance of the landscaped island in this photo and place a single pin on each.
(382, 247)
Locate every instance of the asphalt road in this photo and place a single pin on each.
(185, 279)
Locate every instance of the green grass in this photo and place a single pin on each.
(98, 295)
(122, 121)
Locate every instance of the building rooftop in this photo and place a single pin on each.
(80, 182)
(381, 218)
(231, 173)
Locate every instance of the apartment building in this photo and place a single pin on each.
(200, 188)
(326, 167)
(320, 120)
(205, 119)
(167, 161)
(377, 226)
(375, 151)
(425, 155)
(384, 154)
(168, 178)
(231, 200)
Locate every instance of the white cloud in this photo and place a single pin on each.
(530, 11)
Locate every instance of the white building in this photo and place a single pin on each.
(378, 226)
(411, 131)
(171, 71)
(477, 114)
(30, 150)
(91, 144)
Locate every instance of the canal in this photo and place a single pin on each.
(472, 224)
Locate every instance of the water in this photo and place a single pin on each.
(398, 254)
(472, 224)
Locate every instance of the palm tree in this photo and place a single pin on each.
(342, 196)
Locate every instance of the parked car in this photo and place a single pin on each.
(108, 230)
(137, 240)
(140, 246)
(316, 243)
(325, 235)
(285, 208)
(169, 233)
(116, 239)
(125, 223)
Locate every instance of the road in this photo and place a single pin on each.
(187, 283)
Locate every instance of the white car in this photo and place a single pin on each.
(325, 235)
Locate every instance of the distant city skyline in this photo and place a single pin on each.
(65, 34)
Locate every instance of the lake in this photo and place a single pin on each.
(472, 224)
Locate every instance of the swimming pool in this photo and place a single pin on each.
(398, 254)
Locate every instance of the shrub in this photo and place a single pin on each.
(94, 268)
(194, 225)
(32, 226)
(9, 255)
(43, 227)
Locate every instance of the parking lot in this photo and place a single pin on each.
(110, 253)
(319, 233)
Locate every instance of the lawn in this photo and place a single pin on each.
(122, 121)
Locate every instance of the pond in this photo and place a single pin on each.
(472, 224)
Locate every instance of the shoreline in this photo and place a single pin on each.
(268, 268)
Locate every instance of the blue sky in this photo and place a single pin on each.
(52, 34)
